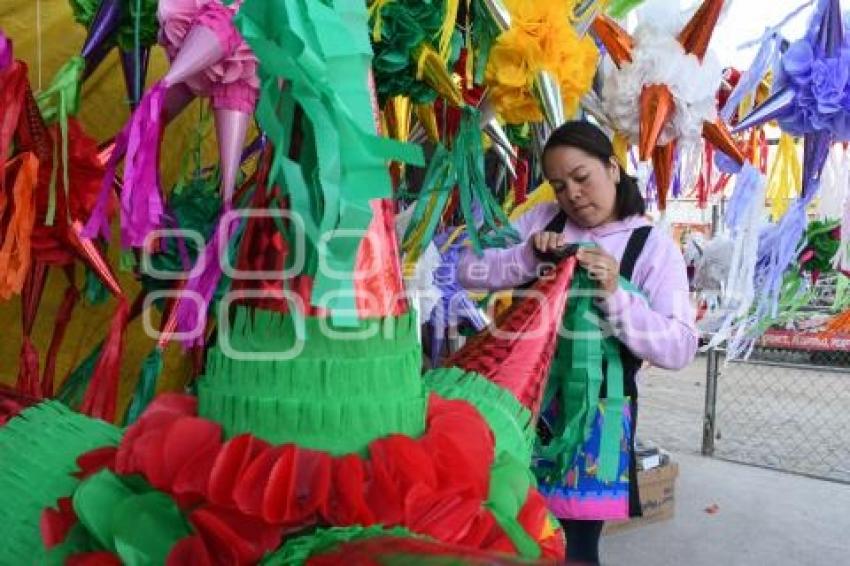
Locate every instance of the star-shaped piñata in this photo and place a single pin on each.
(812, 92)
(676, 97)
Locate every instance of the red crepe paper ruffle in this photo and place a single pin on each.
(243, 496)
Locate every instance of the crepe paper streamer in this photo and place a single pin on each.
(348, 154)
(60, 325)
(73, 388)
(38, 453)
(102, 394)
(60, 101)
(745, 220)
(141, 197)
(620, 8)
(15, 249)
(297, 551)
(146, 386)
(462, 169)
(577, 374)
(766, 58)
(835, 181)
(401, 34)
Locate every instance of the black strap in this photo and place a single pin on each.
(633, 250)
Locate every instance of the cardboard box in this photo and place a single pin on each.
(657, 497)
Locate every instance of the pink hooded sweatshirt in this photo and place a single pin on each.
(658, 327)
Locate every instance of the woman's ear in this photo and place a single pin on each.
(616, 171)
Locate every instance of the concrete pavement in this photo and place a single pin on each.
(763, 518)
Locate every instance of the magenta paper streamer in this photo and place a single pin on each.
(141, 197)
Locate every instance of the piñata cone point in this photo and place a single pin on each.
(517, 353)
(696, 35)
(616, 40)
(656, 109)
(662, 163)
(720, 137)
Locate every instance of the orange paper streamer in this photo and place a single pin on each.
(15, 252)
(662, 162)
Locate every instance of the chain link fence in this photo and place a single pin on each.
(787, 409)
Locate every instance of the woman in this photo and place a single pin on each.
(598, 203)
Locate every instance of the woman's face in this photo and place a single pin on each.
(586, 188)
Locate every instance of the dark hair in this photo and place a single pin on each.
(590, 139)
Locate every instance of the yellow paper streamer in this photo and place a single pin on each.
(375, 13)
(786, 177)
(448, 28)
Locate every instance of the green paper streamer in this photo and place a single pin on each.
(461, 168)
(146, 386)
(577, 374)
(324, 55)
(94, 290)
(74, 387)
(510, 481)
(60, 101)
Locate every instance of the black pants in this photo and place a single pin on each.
(582, 541)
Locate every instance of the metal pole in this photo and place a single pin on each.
(715, 220)
(709, 421)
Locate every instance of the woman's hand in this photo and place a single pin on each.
(601, 267)
(548, 242)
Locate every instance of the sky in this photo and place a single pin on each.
(746, 20)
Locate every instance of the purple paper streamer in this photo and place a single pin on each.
(141, 197)
(98, 223)
(187, 314)
(454, 305)
(746, 189)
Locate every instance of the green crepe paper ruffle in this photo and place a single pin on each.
(124, 516)
(85, 11)
(38, 453)
(509, 420)
(337, 395)
(297, 551)
(404, 26)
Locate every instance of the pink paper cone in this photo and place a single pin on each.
(231, 127)
(200, 50)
